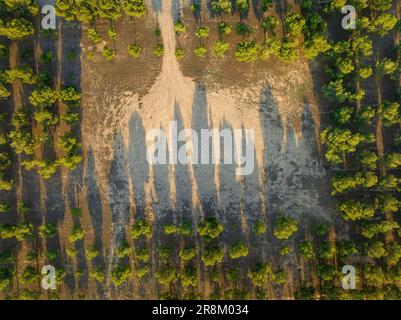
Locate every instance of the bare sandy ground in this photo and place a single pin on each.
(279, 108)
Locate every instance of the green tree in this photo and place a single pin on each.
(48, 230)
(200, 51)
(259, 274)
(91, 253)
(202, 32)
(76, 234)
(134, 50)
(16, 28)
(285, 227)
(212, 255)
(29, 275)
(247, 51)
(220, 48)
(356, 210)
(43, 97)
(109, 54)
(6, 277)
(124, 250)
(224, 28)
(221, 6)
(97, 274)
(376, 249)
(306, 250)
(326, 250)
(179, 27)
(345, 249)
(259, 228)
(238, 250)
(210, 228)
(142, 254)
(187, 254)
(189, 277)
(294, 23)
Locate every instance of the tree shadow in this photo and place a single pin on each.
(119, 201)
(138, 167)
(157, 5)
(204, 173)
(95, 209)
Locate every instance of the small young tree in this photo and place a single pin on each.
(212, 255)
(166, 276)
(124, 250)
(141, 227)
(120, 274)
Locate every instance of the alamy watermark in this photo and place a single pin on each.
(49, 20)
(348, 282)
(349, 21)
(228, 147)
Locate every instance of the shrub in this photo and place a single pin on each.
(285, 250)
(6, 277)
(4, 207)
